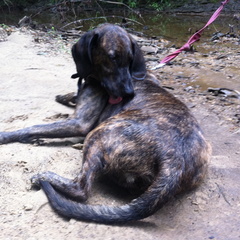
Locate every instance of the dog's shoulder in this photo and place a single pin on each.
(151, 86)
(151, 95)
(152, 78)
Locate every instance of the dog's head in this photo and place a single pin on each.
(110, 55)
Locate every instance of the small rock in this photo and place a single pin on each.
(221, 57)
(78, 146)
(72, 221)
(189, 89)
(149, 49)
(28, 207)
(3, 35)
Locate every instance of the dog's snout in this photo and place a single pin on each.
(119, 85)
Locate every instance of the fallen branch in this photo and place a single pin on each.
(123, 4)
(50, 7)
(104, 17)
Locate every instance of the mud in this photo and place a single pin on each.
(35, 68)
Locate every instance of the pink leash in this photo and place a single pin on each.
(195, 37)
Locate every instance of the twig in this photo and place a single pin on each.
(100, 7)
(7, 2)
(117, 3)
(125, 5)
(49, 7)
(223, 194)
(93, 18)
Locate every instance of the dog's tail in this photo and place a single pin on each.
(145, 205)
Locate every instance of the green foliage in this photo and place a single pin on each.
(53, 1)
(160, 5)
(132, 3)
(4, 26)
(16, 3)
(155, 4)
(6, 2)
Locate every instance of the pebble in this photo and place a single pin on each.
(28, 207)
(149, 49)
(189, 89)
(72, 221)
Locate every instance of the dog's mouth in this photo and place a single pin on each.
(114, 100)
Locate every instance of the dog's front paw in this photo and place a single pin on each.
(5, 137)
(15, 136)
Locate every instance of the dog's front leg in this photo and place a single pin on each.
(62, 129)
(90, 104)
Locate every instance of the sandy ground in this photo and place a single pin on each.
(32, 74)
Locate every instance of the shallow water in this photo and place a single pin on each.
(174, 27)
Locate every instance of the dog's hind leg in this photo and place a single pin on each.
(79, 187)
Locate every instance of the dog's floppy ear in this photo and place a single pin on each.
(138, 66)
(82, 54)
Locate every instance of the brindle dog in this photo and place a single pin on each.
(136, 133)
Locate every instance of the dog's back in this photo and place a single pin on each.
(156, 129)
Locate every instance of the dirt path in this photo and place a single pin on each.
(32, 74)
